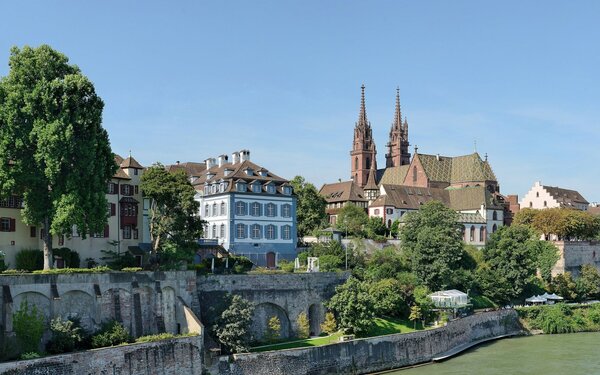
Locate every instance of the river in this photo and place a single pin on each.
(569, 354)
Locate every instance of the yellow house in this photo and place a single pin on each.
(123, 231)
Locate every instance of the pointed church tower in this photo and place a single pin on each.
(398, 143)
(363, 154)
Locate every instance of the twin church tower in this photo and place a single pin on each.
(364, 153)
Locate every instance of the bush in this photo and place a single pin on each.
(303, 326)
(330, 263)
(28, 324)
(286, 266)
(118, 261)
(132, 269)
(70, 257)
(67, 336)
(59, 271)
(29, 355)
(110, 334)
(29, 260)
(162, 336)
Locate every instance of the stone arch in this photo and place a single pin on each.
(148, 305)
(39, 300)
(265, 311)
(315, 318)
(168, 309)
(117, 304)
(80, 305)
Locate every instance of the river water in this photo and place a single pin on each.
(569, 354)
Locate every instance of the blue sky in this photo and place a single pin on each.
(186, 80)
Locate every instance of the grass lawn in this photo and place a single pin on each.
(318, 341)
(383, 326)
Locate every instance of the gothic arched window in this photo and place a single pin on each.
(495, 216)
(482, 234)
(472, 234)
(368, 163)
(414, 174)
(356, 162)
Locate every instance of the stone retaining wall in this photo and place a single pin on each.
(168, 357)
(365, 356)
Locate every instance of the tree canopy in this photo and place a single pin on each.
(54, 151)
(565, 223)
(310, 207)
(432, 240)
(352, 219)
(174, 218)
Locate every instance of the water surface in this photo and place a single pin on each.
(571, 354)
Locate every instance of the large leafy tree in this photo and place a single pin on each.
(432, 240)
(174, 218)
(53, 149)
(352, 219)
(233, 327)
(310, 208)
(353, 306)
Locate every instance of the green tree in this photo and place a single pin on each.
(330, 263)
(564, 285)
(526, 216)
(375, 227)
(386, 263)
(546, 255)
(273, 329)
(353, 306)
(352, 219)
(28, 324)
(310, 207)
(421, 298)
(53, 149)
(67, 335)
(511, 254)
(303, 326)
(329, 325)
(432, 240)
(233, 327)
(415, 314)
(588, 284)
(173, 210)
(395, 228)
(387, 295)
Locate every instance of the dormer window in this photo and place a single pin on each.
(249, 171)
(206, 190)
(263, 172)
(256, 187)
(227, 171)
(287, 190)
(270, 189)
(241, 187)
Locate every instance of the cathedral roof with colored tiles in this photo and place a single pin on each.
(457, 169)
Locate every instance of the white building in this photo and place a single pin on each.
(540, 197)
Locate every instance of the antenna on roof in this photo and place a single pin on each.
(486, 156)
(130, 153)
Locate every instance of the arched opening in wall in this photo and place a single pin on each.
(356, 163)
(389, 224)
(80, 305)
(168, 310)
(368, 163)
(494, 228)
(495, 215)
(271, 259)
(39, 300)
(315, 318)
(472, 234)
(482, 234)
(260, 321)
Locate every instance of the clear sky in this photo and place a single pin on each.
(187, 80)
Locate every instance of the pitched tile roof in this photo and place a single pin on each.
(130, 162)
(120, 173)
(565, 197)
(471, 218)
(394, 175)
(192, 169)
(342, 192)
(471, 198)
(456, 169)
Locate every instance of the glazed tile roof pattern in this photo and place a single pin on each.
(471, 218)
(565, 197)
(394, 175)
(342, 192)
(410, 197)
(457, 169)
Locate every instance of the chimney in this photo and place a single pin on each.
(177, 162)
(221, 160)
(235, 157)
(210, 162)
(437, 157)
(244, 156)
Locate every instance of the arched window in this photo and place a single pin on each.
(222, 231)
(545, 204)
(368, 163)
(414, 174)
(356, 162)
(537, 194)
(214, 231)
(271, 210)
(286, 210)
(223, 208)
(206, 210)
(214, 210)
(286, 233)
(530, 204)
(472, 234)
(389, 223)
(482, 234)
(495, 216)
(494, 228)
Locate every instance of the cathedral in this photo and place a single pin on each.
(465, 183)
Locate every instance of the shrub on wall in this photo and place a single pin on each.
(28, 324)
(303, 326)
(67, 335)
(29, 260)
(70, 257)
(110, 334)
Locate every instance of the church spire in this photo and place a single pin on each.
(362, 114)
(397, 124)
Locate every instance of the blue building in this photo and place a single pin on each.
(249, 210)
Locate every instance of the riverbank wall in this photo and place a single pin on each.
(364, 356)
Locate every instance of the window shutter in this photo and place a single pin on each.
(113, 209)
(137, 190)
(123, 189)
(12, 225)
(106, 231)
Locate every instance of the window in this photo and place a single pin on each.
(537, 194)
(495, 216)
(128, 209)
(271, 189)
(206, 210)
(256, 231)
(223, 208)
(61, 240)
(256, 209)
(241, 186)
(494, 228)
(214, 231)
(545, 204)
(240, 208)
(7, 224)
(127, 232)
(356, 164)
(376, 212)
(270, 232)
(271, 210)
(222, 235)
(32, 232)
(135, 234)
(286, 210)
(112, 188)
(389, 211)
(126, 189)
(214, 210)
(135, 172)
(136, 188)
(287, 190)
(240, 231)
(530, 204)
(482, 234)
(286, 233)
(256, 188)
(368, 163)
(414, 176)
(472, 235)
